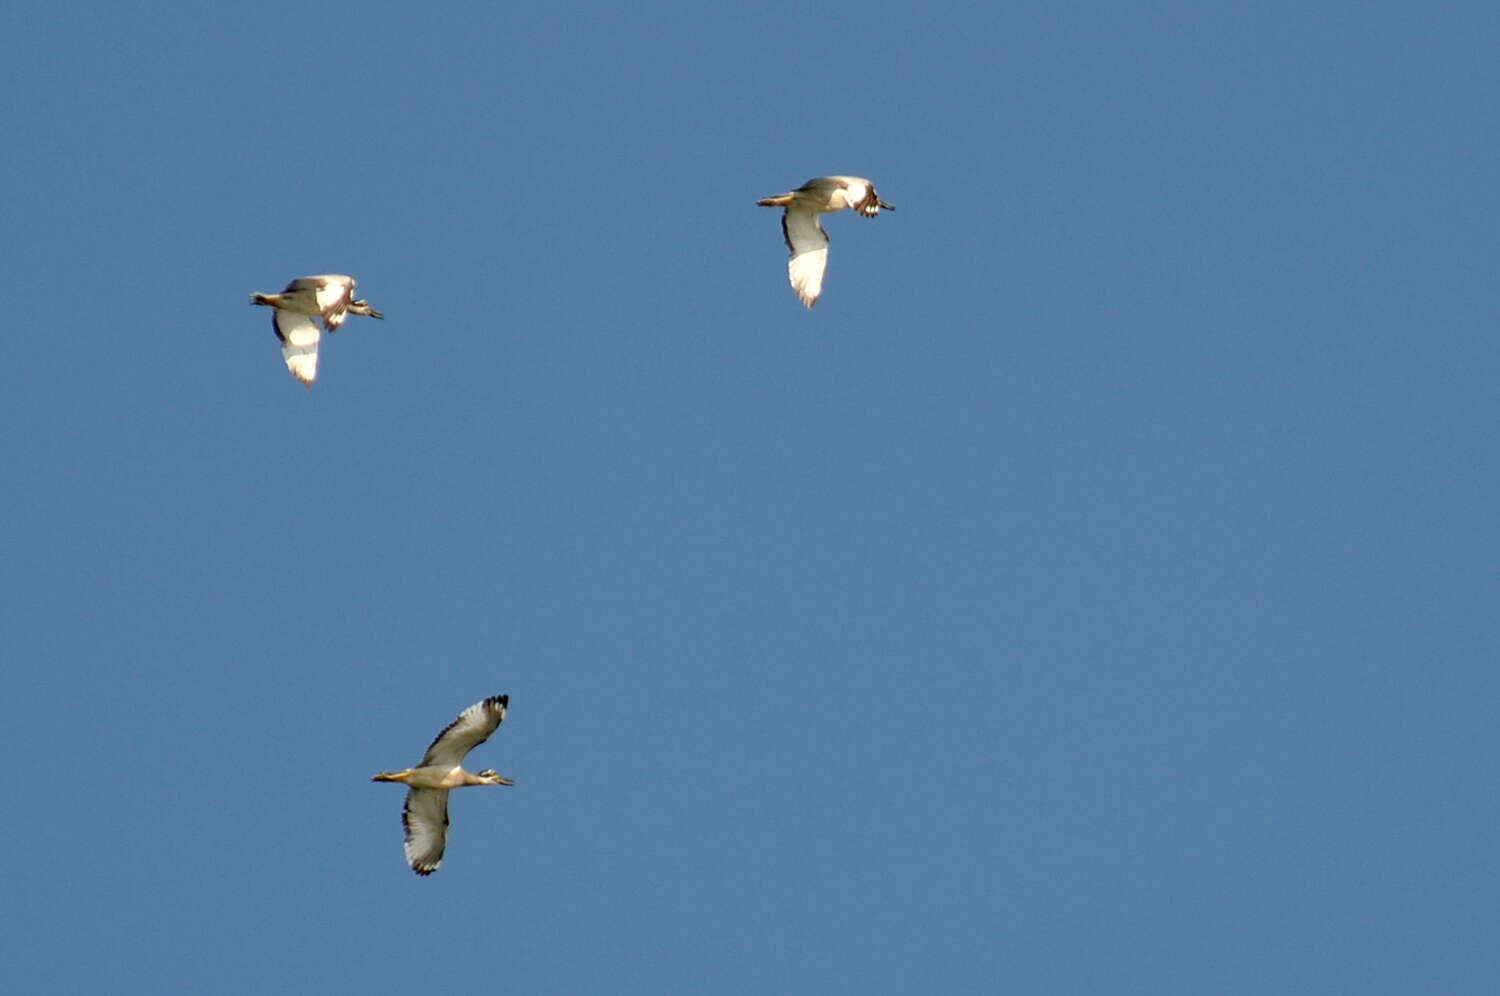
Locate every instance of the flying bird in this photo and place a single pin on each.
(804, 231)
(426, 814)
(329, 296)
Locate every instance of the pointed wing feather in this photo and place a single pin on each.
(472, 728)
(809, 247)
(299, 337)
(425, 820)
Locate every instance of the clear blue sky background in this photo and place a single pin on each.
(1095, 594)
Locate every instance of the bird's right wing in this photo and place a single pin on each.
(425, 820)
(809, 247)
(335, 294)
(299, 337)
(472, 728)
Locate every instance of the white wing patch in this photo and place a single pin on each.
(809, 247)
(855, 192)
(806, 274)
(426, 821)
(299, 337)
(334, 292)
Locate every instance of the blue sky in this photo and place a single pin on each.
(1095, 593)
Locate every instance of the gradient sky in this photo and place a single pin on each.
(1095, 594)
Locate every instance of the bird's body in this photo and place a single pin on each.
(425, 817)
(803, 229)
(434, 776)
(327, 296)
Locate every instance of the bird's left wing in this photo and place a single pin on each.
(299, 337)
(425, 820)
(472, 728)
(809, 247)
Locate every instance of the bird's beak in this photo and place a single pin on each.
(504, 781)
(375, 314)
(888, 207)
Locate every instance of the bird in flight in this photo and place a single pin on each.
(804, 230)
(425, 817)
(329, 296)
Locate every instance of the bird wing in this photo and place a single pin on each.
(472, 728)
(333, 288)
(335, 293)
(299, 337)
(868, 202)
(425, 820)
(809, 247)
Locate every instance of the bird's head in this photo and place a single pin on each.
(492, 777)
(362, 307)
